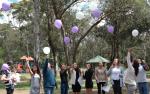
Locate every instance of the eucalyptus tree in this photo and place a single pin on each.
(135, 16)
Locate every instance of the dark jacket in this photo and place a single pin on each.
(48, 76)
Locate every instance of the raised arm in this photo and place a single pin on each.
(129, 63)
(45, 65)
(145, 66)
(31, 72)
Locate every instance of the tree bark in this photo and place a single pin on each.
(36, 28)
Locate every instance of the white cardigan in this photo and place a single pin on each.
(73, 77)
(129, 77)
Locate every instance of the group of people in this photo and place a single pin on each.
(133, 77)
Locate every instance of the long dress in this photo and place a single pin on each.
(35, 84)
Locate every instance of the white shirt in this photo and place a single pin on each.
(130, 73)
(115, 74)
(141, 77)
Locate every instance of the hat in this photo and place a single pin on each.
(5, 67)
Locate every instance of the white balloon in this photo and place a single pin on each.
(135, 33)
(46, 50)
(80, 15)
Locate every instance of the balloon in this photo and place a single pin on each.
(58, 23)
(74, 29)
(6, 6)
(135, 33)
(110, 28)
(5, 67)
(96, 13)
(80, 15)
(66, 40)
(46, 50)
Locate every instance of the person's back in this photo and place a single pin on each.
(48, 78)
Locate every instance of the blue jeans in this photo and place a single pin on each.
(143, 88)
(49, 90)
(64, 88)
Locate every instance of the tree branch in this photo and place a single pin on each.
(54, 8)
(87, 32)
(66, 8)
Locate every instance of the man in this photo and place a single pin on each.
(49, 78)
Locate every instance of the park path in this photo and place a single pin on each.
(25, 91)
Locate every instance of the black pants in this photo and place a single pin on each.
(100, 85)
(9, 90)
(117, 87)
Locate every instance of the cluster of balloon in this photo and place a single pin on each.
(110, 28)
(75, 29)
(66, 40)
(58, 23)
(135, 33)
(6, 6)
(96, 13)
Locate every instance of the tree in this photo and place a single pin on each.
(124, 23)
(36, 28)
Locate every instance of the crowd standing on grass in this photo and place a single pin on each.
(133, 77)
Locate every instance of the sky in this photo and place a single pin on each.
(82, 9)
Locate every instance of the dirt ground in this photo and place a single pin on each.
(2, 91)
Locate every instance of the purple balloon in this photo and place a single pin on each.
(6, 7)
(110, 28)
(74, 29)
(5, 67)
(66, 40)
(96, 13)
(58, 23)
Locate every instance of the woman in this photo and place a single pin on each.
(64, 79)
(101, 77)
(116, 75)
(88, 79)
(141, 77)
(35, 79)
(75, 74)
(130, 74)
(7, 78)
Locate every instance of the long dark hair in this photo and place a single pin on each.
(136, 67)
(38, 69)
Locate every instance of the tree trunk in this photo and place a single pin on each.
(36, 29)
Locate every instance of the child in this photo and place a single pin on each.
(35, 79)
(7, 78)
